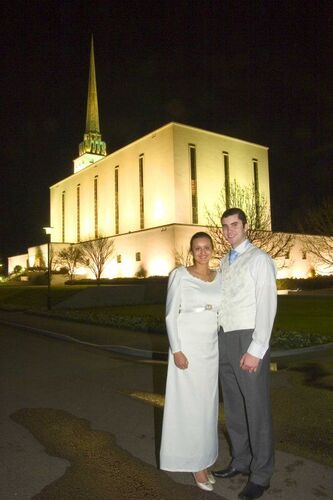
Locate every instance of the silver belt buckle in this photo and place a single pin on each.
(208, 307)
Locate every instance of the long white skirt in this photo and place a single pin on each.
(189, 434)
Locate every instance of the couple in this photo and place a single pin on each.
(220, 321)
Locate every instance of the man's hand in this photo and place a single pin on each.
(180, 360)
(249, 363)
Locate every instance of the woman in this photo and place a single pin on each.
(189, 434)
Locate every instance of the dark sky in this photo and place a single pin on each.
(257, 70)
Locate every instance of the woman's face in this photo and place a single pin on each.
(202, 250)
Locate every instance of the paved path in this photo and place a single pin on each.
(46, 380)
(134, 343)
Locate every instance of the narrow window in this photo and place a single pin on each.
(63, 217)
(96, 205)
(118, 259)
(226, 179)
(138, 256)
(303, 255)
(142, 212)
(116, 198)
(78, 230)
(256, 191)
(194, 192)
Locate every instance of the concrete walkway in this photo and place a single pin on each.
(120, 341)
(295, 478)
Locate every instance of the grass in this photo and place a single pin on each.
(27, 296)
(299, 313)
(300, 321)
(305, 314)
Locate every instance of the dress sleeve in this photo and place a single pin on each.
(172, 310)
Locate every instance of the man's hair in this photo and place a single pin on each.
(201, 234)
(235, 211)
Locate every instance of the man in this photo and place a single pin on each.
(246, 320)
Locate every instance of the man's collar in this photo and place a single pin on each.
(243, 246)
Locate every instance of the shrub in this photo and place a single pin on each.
(38, 279)
(61, 270)
(141, 272)
(305, 283)
(118, 281)
(286, 339)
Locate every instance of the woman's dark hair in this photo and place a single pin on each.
(201, 234)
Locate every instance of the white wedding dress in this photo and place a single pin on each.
(189, 433)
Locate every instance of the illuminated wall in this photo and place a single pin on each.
(36, 257)
(152, 195)
(300, 264)
(165, 189)
(210, 149)
(155, 251)
(17, 260)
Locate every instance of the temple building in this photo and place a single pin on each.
(151, 195)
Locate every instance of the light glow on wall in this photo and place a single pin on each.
(159, 210)
(127, 267)
(282, 273)
(81, 271)
(324, 269)
(298, 272)
(159, 267)
(111, 269)
(87, 226)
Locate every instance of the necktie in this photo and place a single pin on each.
(233, 255)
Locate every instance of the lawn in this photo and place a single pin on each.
(28, 296)
(299, 313)
(311, 316)
(305, 314)
(300, 321)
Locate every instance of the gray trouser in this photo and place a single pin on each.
(247, 407)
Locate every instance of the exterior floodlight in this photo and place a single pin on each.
(48, 231)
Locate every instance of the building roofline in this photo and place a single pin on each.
(219, 135)
(149, 134)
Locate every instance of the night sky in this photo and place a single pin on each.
(256, 70)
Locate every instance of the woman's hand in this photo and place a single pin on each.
(180, 360)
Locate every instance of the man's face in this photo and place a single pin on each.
(233, 230)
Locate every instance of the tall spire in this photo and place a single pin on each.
(92, 148)
(92, 120)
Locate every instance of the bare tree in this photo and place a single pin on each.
(183, 257)
(95, 254)
(319, 221)
(257, 210)
(69, 257)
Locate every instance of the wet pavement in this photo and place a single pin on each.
(70, 429)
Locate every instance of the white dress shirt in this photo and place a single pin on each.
(262, 273)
